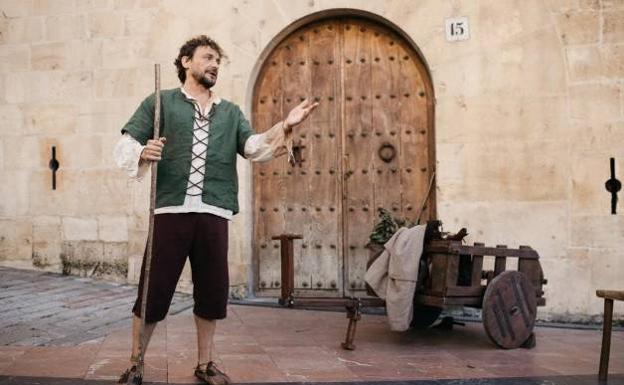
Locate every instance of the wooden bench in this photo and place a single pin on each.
(609, 296)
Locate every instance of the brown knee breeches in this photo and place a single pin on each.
(204, 239)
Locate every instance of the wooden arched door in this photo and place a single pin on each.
(368, 145)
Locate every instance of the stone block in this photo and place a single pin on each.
(239, 274)
(113, 229)
(80, 229)
(140, 23)
(81, 152)
(116, 251)
(52, 7)
(612, 4)
(595, 103)
(14, 9)
(126, 4)
(65, 27)
(102, 107)
(613, 60)
(2, 87)
(570, 5)
(47, 237)
(21, 30)
(15, 193)
(61, 87)
(137, 240)
(49, 56)
(15, 88)
(22, 153)
(579, 27)
(584, 63)
(65, 200)
(84, 55)
(173, 29)
(597, 231)
(15, 239)
(603, 139)
(11, 119)
(104, 24)
(81, 257)
(114, 261)
(123, 83)
(590, 4)
(14, 57)
(93, 5)
(613, 26)
(102, 123)
(138, 221)
(123, 53)
(149, 3)
(104, 192)
(49, 119)
(561, 5)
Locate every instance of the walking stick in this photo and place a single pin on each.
(150, 232)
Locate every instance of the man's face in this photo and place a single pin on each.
(203, 66)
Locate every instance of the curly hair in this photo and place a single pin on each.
(188, 49)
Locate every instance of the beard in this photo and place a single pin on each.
(203, 79)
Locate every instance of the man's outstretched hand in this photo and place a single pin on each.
(299, 114)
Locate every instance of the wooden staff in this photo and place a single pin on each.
(424, 202)
(150, 232)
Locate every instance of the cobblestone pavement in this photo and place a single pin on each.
(48, 309)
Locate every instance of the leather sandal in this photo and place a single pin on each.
(131, 376)
(210, 374)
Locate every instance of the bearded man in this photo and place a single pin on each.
(196, 192)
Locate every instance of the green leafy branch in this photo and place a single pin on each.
(387, 226)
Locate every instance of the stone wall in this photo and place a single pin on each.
(529, 111)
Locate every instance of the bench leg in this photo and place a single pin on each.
(606, 340)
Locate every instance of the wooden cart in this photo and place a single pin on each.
(452, 274)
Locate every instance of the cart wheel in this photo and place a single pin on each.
(509, 310)
(424, 316)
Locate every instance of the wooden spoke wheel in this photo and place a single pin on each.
(424, 316)
(509, 310)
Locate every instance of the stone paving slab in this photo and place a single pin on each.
(48, 309)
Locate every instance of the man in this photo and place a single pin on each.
(196, 192)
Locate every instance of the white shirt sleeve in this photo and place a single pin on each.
(268, 145)
(127, 154)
